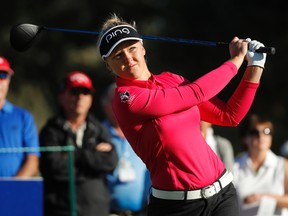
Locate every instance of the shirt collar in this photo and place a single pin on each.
(268, 162)
(8, 107)
(270, 159)
(140, 83)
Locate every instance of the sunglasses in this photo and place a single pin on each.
(78, 91)
(3, 75)
(255, 132)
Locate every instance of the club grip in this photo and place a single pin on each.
(268, 50)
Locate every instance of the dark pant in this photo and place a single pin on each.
(225, 203)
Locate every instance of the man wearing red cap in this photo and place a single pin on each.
(94, 155)
(17, 130)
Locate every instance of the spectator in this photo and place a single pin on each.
(94, 154)
(220, 145)
(129, 183)
(17, 130)
(260, 176)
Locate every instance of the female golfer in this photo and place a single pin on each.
(160, 116)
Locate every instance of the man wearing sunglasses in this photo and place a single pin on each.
(260, 176)
(17, 130)
(94, 155)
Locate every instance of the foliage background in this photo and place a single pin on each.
(39, 69)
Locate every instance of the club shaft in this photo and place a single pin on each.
(72, 30)
(268, 50)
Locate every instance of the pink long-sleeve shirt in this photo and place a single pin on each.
(161, 117)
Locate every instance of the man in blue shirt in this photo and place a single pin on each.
(17, 130)
(129, 183)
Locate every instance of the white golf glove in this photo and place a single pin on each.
(254, 58)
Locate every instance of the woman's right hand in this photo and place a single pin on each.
(238, 49)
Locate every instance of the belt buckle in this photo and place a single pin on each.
(208, 191)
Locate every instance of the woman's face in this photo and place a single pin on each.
(259, 138)
(128, 61)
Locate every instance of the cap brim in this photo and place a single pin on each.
(10, 71)
(121, 41)
(81, 86)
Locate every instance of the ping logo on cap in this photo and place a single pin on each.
(124, 30)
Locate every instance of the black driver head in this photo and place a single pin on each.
(22, 36)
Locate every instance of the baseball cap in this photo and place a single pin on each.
(77, 79)
(5, 66)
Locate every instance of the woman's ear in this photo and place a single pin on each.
(144, 50)
(108, 67)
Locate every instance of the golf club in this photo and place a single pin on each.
(23, 35)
